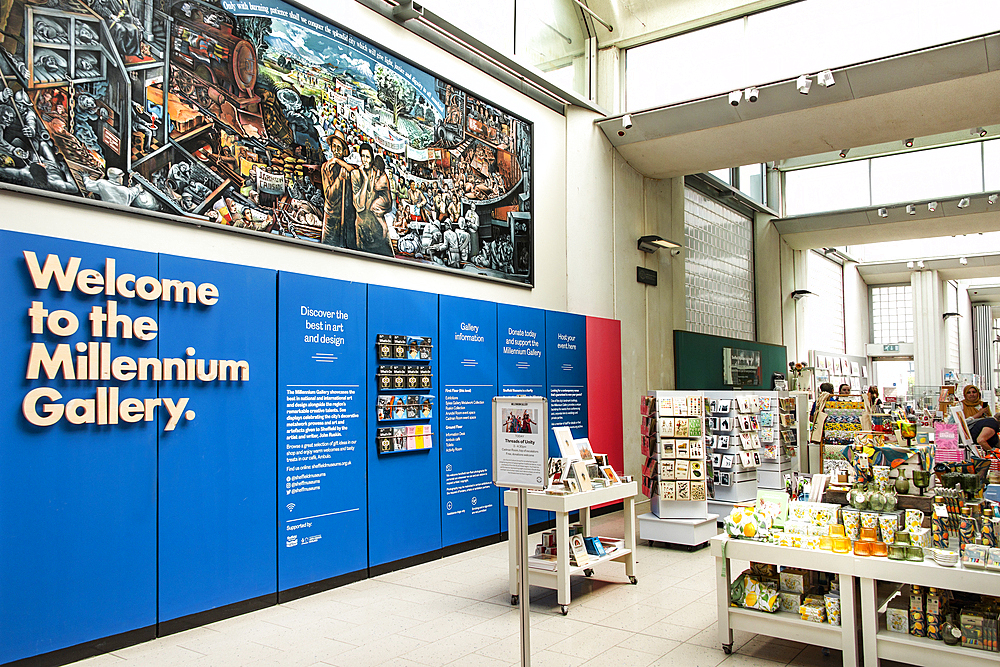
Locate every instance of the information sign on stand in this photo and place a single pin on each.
(520, 461)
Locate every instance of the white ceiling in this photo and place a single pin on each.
(945, 89)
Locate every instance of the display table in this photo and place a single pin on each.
(562, 505)
(877, 642)
(785, 625)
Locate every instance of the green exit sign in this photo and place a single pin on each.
(890, 348)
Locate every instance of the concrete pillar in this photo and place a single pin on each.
(930, 338)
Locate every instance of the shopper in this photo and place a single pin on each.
(873, 400)
(984, 432)
(845, 389)
(973, 406)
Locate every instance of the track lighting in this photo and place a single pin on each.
(992, 199)
(908, 143)
(627, 121)
(979, 130)
(825, 78)
(963, 260)
(963, 202)
(911, 209)
(932, 206)
(803, 84)
(920, 264)
(843, 153)
(735, 97)
(883, 213)
(751, 94)
(909, 265)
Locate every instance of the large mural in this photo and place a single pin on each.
(254, 115)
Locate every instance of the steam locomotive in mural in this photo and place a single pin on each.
(268, 121)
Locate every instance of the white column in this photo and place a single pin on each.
(929, 335)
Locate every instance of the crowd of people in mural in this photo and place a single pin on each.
(257, 122)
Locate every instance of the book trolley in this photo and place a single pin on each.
(559, 578)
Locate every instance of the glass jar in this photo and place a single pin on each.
(897, 552)
(869, 534)
(915, 553)
(863, 548)
(841, 545)
(879, 549)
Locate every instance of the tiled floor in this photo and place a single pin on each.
(457, 611)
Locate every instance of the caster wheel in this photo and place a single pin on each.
(633, 580)
(513, 600)
(588, 572)
(727, 648)
(826, 652)
(564, 609)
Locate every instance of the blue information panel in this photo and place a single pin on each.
(521, 366)
(77, 470)
(322, 503)
(468, 371)
(566, 361)
(217, 465)
(404, 462)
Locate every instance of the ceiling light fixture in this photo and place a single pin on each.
(963, 202)
(751, 94)
(908, 143)
(883, 213)
(992, 199)
(735, 97)
(803, 84)
(963, 260)
(909, 265)
(978, 130)
(843, 152)
(825, 79)
(932, 206)
(652, 243)
(911, 209)
(920, 264)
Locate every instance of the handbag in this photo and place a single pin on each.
(819, 419)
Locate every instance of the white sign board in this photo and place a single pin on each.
(520, 442)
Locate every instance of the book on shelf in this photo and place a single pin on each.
(542, 561)
(594, 546)
(578, 550)
(611, 544)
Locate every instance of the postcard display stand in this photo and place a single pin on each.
(733, 427)
(676, 470)
(777, 441)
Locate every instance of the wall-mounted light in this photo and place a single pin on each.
(948, 316)
(908, 143)
(752, 94)
(801, 294)
(978, 130)
(843, 153)
(963, 260)
(932, 206)
(652, 243)
(911, 209)
(803, 84)
(883, 213)
(963, 202)
(825, 79)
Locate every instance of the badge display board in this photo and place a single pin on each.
(520, 451)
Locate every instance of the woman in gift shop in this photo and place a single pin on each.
(973, 406)
(845, 390)
(984, 433)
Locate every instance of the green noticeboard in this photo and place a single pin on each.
(698, 360)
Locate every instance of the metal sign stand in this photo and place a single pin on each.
(520, 461)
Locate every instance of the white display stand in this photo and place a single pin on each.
(877, 642)
(742, 487)
(562, 505)
(683, 522)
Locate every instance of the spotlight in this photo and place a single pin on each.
(909, 265)
(751, 94)
(963, 202)
(883, 213)
(963, 260)
(627, 121)
(735, 97)
(825, 78)
(803, 84)
(992, 199)
(908, 143)
(932, 206)
(911, 209)
(979, 130)
(843, 153)
(920, 264)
